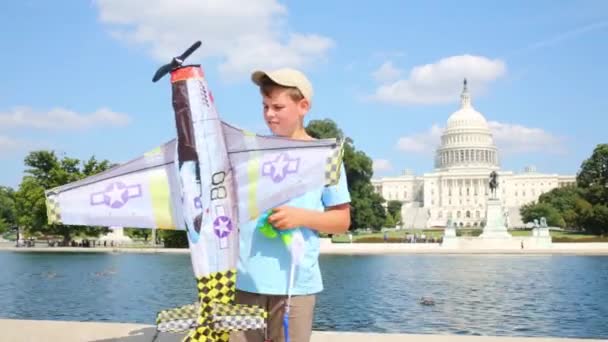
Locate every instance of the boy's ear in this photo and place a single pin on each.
(304, 105)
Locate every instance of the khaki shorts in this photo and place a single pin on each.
(300, 318)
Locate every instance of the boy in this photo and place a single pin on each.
(264, 264)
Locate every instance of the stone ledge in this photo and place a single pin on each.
(34, 330)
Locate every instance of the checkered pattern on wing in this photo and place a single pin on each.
(334, 162)
(238, 323)
(237, 310)
(177, 325)
(238, 317)
(177, 320)
(217, 314)
(53, 211)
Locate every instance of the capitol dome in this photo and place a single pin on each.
(467, 140)
(466, 116)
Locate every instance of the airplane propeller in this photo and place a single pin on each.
(176, 62)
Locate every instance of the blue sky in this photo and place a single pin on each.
(77, 75)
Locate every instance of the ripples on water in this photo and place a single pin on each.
(565, 296)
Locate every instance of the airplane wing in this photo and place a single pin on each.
(141, 193)
(144, 192)
(269, 170)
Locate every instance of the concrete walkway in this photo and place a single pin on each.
(35, 331)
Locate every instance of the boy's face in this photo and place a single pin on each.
(283, 115)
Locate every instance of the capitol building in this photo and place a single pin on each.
(458, 187)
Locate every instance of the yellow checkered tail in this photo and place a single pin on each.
(215, 315)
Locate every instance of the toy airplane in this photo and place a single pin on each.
(207, 181)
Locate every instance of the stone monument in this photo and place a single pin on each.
(496, 227)
(116, 236)
(541, 234)
(449, 235)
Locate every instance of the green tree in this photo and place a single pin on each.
(45, 171)
(366, 205)
(174, 238)
(596, 219)
(593, 176)
(594, 170)
(394, 208)
(532, 211)
(7, 208)
(4, 226)
(389, 222)
(138, 233)
(581, 206)
(566, 201)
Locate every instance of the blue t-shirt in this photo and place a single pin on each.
(264, 263)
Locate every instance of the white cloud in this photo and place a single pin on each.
(60, 118)
(380, 165)
(243, 34)
(513, 138)
(425, 142)
(387, 72)
(509, 139)
(441, 82)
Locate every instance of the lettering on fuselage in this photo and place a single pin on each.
(218, 190)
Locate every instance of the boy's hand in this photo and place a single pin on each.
(287, 217)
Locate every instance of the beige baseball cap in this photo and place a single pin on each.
(286, 77)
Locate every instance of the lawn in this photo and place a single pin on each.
(399, 235)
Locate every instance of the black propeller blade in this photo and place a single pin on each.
(175, 63)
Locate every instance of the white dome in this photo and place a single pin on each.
(467, 140)
(467, 117)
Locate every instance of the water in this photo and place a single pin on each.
(561, 296)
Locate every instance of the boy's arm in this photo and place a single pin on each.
(335, 220)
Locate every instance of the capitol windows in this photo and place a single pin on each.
(477, 214)
(458, 214)
(468, 214)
